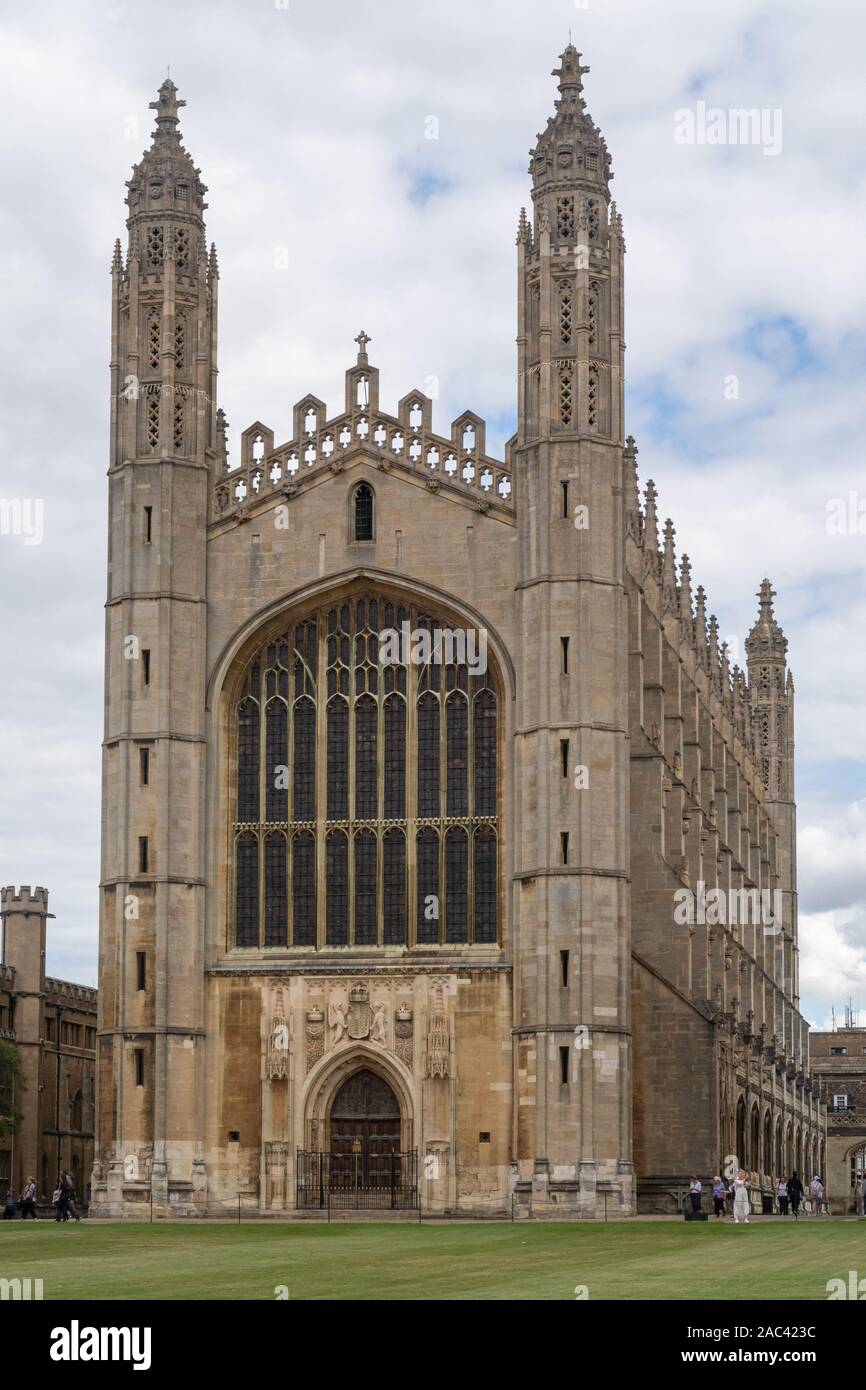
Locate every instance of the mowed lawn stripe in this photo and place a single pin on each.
(466, 1261)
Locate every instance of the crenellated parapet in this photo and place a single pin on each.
(405, 442)
(24, 898)
(82, 995)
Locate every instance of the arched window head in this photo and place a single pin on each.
(362, 513)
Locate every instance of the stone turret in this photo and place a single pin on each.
(574, 482)
(163, 461)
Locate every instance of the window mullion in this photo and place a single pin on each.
(411, 795)
(321, 773)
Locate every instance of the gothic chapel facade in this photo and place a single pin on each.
(390, 926)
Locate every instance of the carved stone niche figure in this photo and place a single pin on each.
(378, 1032)
(315, 1035)
(404, 1029)
(438, 1036)
(360, 1015)
(337, 1020)
(278, 1045)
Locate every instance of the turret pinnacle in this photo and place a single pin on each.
(165, 179)
(669, 569)
(571, 147)
(686, 613)
(570, 74)
(766, 640)
(650, 528)
(166, 107)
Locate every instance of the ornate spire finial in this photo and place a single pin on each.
(630, 490)
(701, 622)
(766, 594)
(713, 643)
(669, 569)
(570, 72)
(766, 641)
(362, 340)
(650, 520)
(166, 106)
(686, 615)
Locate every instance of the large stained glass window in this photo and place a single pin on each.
(366, 790)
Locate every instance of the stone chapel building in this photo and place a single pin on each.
(412, 756)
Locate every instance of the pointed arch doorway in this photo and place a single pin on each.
(365, 1118)
(363, 1167)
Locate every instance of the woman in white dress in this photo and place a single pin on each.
(741, 1198)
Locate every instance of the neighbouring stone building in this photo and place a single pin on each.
(53, 1025)
(413, 755)
(839, 1064)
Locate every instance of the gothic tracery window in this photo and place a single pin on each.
(362, 509)
(565, 393)
(565, 312)
(565, 218)
(154, 248)
(592, 313)
(153, 339)
(592, 399)
(366, 784)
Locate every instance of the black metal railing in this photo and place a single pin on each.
(357, 1181)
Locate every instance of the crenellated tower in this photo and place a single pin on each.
(572, 946)
(163, 433)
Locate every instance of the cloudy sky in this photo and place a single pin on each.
(333, 210)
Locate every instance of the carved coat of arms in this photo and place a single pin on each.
(360, 1014)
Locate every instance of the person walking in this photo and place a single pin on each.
(69, 1187)
(60, 1198)
(695, 1190)
(795, 1193)
(741, 1198)
(782, 1194)
(9, 1208)
(859, 1195)
(817, 1193)
(720, 1192)
(27, 1200)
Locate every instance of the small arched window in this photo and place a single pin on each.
(362, 517)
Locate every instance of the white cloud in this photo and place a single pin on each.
(309, 126)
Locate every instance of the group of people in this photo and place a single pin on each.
(63, 1200)
(789, 1194)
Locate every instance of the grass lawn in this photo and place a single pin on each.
(638, 1260)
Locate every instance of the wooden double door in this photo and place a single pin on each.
(365, 1132)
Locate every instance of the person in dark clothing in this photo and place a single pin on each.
(28, 1200)
(9, 1208)
(68, 1188)
(795, 1193)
